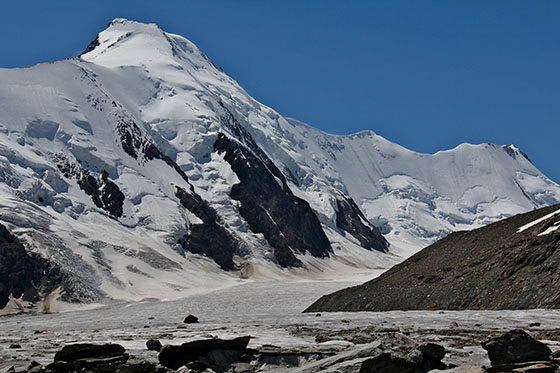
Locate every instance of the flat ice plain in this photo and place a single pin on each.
(270, 312)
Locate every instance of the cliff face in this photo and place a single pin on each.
(511, 264)
(23, 275)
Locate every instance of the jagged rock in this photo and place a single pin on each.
(77, 351)
(351, 219)
(21, 272)
(287, 222)
(191, 319)
(432, 351)
(217, 354)
(153, 345)
(516, 346)
(209, 238)
(10, 369)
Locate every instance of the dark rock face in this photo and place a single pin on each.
(104, 193)
(77, 351)
(269, 207)
(350, 219)
(217, 354)
(516, 346)
(209, 238)
(91, 46)
(23, 274)
(494, 267)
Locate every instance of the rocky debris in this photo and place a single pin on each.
(287, 222)
(14, 346)
(516, 346)
(153, 345)
(191, 319)
(10, 369)
(500, 268)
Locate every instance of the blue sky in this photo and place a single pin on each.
(425, 74)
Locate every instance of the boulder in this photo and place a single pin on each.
(218, 354)
(77, 351)
(191, 319)
(515, 346)
(153, 345)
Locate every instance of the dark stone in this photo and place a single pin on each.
(388, 363)
(153, 345)
(350, 218)
(501, 268)
(516, 346)
(87, 350)
(191, 319)
(213, 352)
(209, 238)
(432, 351)
(268, 205)
(15, 345)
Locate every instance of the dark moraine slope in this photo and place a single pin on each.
(491, 268)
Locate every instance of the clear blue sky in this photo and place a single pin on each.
(425, 74)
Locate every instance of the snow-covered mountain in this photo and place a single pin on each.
(140, 169)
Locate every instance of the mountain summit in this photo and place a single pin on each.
(140, 169)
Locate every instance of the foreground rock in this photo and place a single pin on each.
(216, 354)
(78, 351)
(501, 267)
(516, 346)
(390, 353)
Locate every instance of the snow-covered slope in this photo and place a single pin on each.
(142, 170)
